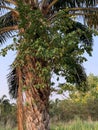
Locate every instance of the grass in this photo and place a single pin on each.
(1, 128)
(72, 125)
(75, 125)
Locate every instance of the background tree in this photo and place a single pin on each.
(92, 92)
(78, 103)
(49, 40)
(7, 113)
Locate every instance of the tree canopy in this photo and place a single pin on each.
(53, 37)
(48, 39)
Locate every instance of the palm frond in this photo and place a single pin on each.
(3, 97)
(86, 38)
(75, 72)
(7, 20)
(7, 2)
(90, 15)
(7, 26)
(7, 5)
(13, 83)
(76, 75)
(86, 8)
(4, 36)
(11, 2)
(3, 2)
(73, 3)
(8, 29)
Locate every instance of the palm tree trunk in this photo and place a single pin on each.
(19, 101)
(36, 100)
(36, 112)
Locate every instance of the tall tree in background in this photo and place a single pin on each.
(47, 40)
(7, 113)
(92, 93)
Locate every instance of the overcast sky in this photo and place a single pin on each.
(91, 66)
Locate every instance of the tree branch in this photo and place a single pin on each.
(7, 29)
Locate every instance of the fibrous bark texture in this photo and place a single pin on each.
(34, 100)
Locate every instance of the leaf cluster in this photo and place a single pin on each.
(59, 43)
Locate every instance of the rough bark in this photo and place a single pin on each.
(19, 100)
(36, 113)
(35, 100)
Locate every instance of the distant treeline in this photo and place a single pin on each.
(66, 110)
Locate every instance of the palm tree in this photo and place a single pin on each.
(2, 100)
(43, 26)
(7, 112)
(5, 109)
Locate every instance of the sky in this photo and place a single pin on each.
(5, 63)
(91, 66)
